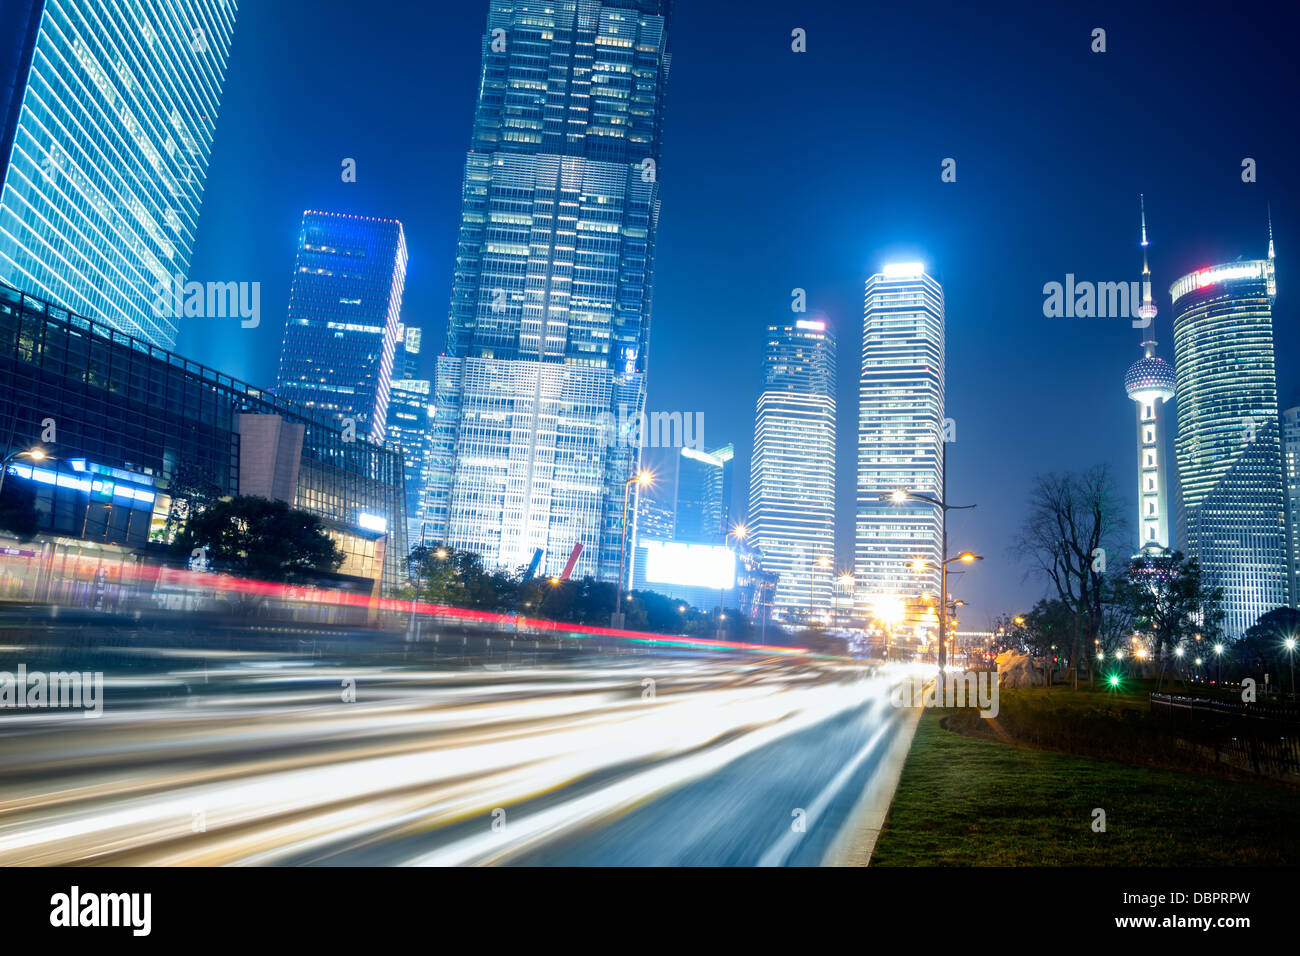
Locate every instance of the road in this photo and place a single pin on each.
(265, 751)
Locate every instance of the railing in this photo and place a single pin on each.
(1260, 738)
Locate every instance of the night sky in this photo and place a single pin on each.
(784, 170)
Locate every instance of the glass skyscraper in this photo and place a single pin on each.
(900, 437)
(792, 470)
(1229, 450)
(341, 334)
(109, 111)
(410, 416)
(550, 304)
(703, 513)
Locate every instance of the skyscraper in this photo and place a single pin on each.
(410, 418)
(108, 115)
(1150, 382)
(792, 471)
(1291, 469)
(1228, 445)
(342, 329)
(703, 513)
(900, 437)
(550, 304)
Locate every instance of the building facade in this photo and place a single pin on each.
(128, 425)
(550, 306)
(792, 470)
(341, 335)
(901, 439)
(1228, 447)
(703, 512)
(109, 112)
(1291, 470)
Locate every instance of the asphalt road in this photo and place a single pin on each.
(263, 750)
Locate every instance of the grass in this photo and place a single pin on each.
(970, 802)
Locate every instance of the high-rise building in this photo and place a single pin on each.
(703, 513)
(410, 417)
(792, 471)
(341, 333)
(1291, 469)
(1150, 382)
(900, 439)
(1229, 450)
(108, 113)
(550, 304)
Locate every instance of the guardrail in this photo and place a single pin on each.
(1261, 738)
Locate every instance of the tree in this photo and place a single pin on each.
(1167, 599)
(1073, 520)
(1263, 647)
(18, 514)
(259, 538)
(191, 489)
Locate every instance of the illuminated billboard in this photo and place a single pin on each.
(689, 565)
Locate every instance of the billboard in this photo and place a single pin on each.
(689, 565)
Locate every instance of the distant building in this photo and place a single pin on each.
(134, 421)
(1229, 447)
(792, 471)
(410, 417)
(703, 512)
(341, 334)
(900, 438)
(107, 116)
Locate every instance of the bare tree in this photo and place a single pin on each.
(1073, 520)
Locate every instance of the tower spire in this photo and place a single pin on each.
(1147, 310)
(1270, 230)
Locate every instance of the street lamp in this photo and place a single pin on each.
(738, 532)
(920, 564)
(1289, 644)
(1218, 660)
(822, 562)
(643, 478)
(35, 454)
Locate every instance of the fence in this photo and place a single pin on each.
(1261, 738)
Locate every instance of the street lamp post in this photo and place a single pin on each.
(642, 478)
(822, 562)
(35, 454)
(898, 496)
(738, 533)
(1290, 653)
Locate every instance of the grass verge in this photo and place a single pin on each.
(971, 802)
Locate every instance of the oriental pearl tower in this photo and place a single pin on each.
(1150, 383)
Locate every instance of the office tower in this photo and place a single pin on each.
(900, 439)
(792, 471)
(1291, 469)
(341, 333)
(1228, 445)
(1150, 383)
(704, 495)
(550, 304)
(410, 418)
(406, 358)
(656, 503)
(108, 115)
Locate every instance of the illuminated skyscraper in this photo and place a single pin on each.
(108, 113)
(1233, 515)
(792, 470)
(900, 437)
(342, 330)
(1291, 469)
(550, 304)
(1150, 383)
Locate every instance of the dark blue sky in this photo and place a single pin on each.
(784, 170)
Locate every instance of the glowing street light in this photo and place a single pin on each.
(1289, 644)
(35, 454)
(644, 479)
